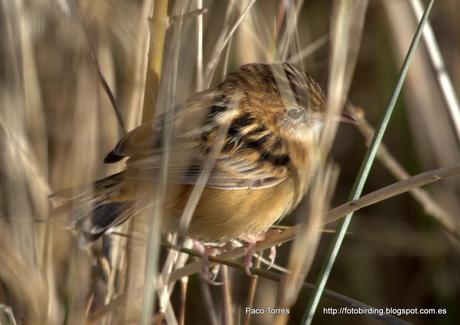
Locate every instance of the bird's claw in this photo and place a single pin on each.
(208, 273)
(250, 251)
(271, 257)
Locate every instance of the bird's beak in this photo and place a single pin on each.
(348, 118)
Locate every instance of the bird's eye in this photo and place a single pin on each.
(295, 113)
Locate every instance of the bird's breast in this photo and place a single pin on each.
(222, 215)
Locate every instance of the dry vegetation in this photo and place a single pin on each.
(75, 74)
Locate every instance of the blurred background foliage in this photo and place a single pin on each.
(57, 124)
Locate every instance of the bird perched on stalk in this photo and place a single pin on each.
(264, 122)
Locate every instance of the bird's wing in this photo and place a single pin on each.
(196, 128)
(147, 140)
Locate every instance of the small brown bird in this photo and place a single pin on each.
(271, 116)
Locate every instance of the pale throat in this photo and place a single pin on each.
(311, 131)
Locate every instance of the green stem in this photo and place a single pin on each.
(362, 175)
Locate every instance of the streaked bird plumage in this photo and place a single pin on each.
(272, 114)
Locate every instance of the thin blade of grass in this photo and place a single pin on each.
(431, 207)
(308, 287)
(434, 138)
(195, 195)
(222, 43)
(199, 57)
(363, 174)
(291, 11)
(348, 22)
(141, 60)
(443, 78)
(309, 49)
(157, 40)
(208, 302)
(19, 275)
(305, 243)
(166, 101)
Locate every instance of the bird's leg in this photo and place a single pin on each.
(251, 241)
(209, 274)
(271, 257)
(250, 251)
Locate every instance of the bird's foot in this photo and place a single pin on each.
(250, 251)
(208, 273)
(271, 257)
(251, 241)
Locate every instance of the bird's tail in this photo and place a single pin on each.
(96, 208)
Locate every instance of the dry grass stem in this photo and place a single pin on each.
(308, 287)
(222, 43)
(306, 241)
(252, 291)
(183, 299)
(227, 294)
(6, 315)
(443, 78)
(347, 28)
(77, 75)
(309, 49)
(335, 214)
(429, 204)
